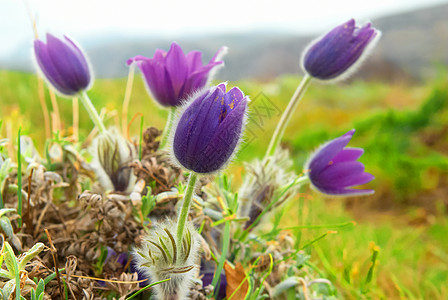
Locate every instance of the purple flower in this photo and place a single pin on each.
(339, 51)
(333, 168)
(209, 129)
(172, 76)
(63, 64)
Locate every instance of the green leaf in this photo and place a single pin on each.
(8, 289)
(148, 203)
(147, 287)
(40, 288)
(33, 294)
(10, 258)
(6, 226)
(12, 264)
(30, 254)
(4, 211)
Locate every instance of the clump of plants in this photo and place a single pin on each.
(157, 217)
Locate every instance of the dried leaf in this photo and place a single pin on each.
(234, 278)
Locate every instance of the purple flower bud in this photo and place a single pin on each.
(209, 129)
(337, 54)
(172, 76)
(333, 169)
(63, 64)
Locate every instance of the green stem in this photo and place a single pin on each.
(222, 258)
(168, 127)
(183, 215)
(92, 111)
(19, 179)
(283, 123)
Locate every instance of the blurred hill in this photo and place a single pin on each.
(412, 44)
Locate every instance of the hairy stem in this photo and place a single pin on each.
(92, 111)
(168, 127)
(286, 116)
(183, 215)
(127, 99)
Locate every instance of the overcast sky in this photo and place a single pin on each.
(84, 18)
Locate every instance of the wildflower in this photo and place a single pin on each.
(112, 154)
(337, 54)
(63, 64)
(209, 129)
(160, 258)
(172, 76)
(333, 168)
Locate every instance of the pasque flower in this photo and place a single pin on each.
(63, 64)
(337, 54)
(209, 129)
(171, 76)
(334, 168)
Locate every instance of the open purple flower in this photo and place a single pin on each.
(334, 168)
(172, 76)
(63, 64)
(337, 54)
(209, 129)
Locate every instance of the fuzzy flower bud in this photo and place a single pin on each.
(112, 154)
(333, 168)
(172, 76)
(159, 259)
(63, 64)
(209, 129)
(337, 54)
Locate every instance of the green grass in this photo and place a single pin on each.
(402, 129)
(412, 260)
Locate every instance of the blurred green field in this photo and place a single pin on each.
(403, 128)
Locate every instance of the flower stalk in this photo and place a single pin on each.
(222, 259)
(183, 215)
(127, 99)
(168, 127)
(286, 116)
(92, 111)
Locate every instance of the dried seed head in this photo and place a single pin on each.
(112, 154)
(159, 259)
(264, 183)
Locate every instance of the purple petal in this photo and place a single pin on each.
(338, 50)
(50, 71)
(207, 122)
(194, 61)
(342, 175)
(160, 55)
(345, 192)
(204, 141)
(158, 81)
(196, 126)
(221, 147)
(325, 154)
(185, 129)
(222, 86)
(66, 60)
(79, 54)
(176, 65)
(348, 154)
(231, 99)
(198, 79)
(137, 59)
(218, 54)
